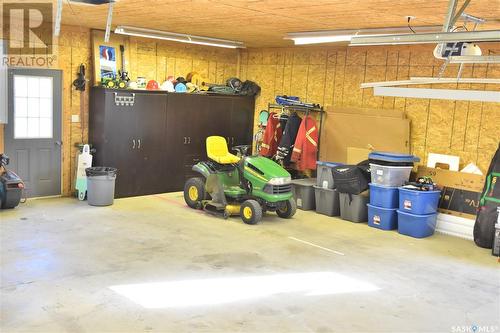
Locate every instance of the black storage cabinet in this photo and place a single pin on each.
(154, 137)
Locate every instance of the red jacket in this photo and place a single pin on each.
(306, 145)
(272, 136)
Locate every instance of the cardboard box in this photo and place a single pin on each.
(460, 191)
(392, 113)
(356, 155)
(343, 130)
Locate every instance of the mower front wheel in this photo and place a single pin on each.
(194, 192)
(287, 209)
(251, 212)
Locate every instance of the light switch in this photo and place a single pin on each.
(75, 118)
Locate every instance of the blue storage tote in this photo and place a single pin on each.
(382, 218)
(393, 158)
(418, 226)
(418, 202)
(384, 196)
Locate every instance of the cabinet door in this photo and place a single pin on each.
(120, 143)
(218, 118)
(195, 149)
(242, 120)
(151, 167)
(184, 120)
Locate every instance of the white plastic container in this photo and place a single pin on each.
(390, 175)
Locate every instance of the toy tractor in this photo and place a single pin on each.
(113, 82)
(239, 185)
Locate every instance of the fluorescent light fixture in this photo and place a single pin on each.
(428, 80)
(428, 38)
(334, 36)
(218, 291)
(175, 37)
(448, 94)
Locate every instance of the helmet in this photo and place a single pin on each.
(152, 85)
(180, 79)
(180, 88)
(167, 86)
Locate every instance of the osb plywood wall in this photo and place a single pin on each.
(151, 59)
(158, 60)
(332, 77)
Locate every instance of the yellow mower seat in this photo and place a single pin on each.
(218, 152)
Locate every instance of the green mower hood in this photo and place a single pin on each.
(264, 169)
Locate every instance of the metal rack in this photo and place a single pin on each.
(307, 110)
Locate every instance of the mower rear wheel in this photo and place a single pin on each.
(194, 192)
(251, 212)
(287, 209)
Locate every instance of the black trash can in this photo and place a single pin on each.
(100, 185)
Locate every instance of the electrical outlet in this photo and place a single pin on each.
(75, 118)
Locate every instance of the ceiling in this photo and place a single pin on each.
(263, 23)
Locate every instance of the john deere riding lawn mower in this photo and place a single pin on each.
(245, 185)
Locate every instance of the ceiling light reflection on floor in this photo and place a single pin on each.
(201, 292)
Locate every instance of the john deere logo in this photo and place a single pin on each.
(28, 28)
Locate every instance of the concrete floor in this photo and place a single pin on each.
(62, 260)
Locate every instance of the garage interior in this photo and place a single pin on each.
(250, 166)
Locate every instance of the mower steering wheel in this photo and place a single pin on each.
(242, 150)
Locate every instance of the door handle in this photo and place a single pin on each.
(58, 143)
(139, 147)
(133, 146)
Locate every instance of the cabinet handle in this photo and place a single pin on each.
(189, 139)
(232, 140)
(185, 140)
(133, 146)
(139, 147)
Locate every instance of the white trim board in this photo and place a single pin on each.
(455, 226)
(451, 94)
(428, 80)
(438, 80)
(474, 59)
